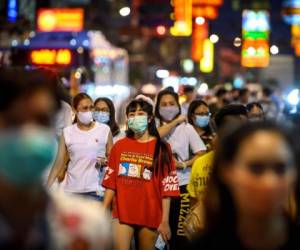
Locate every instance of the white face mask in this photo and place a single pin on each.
(85, 117)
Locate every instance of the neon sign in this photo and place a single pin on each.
(12, 10)
(51, 57)
(183, 18)
(256, 29)
(49, 20)
(207, 61)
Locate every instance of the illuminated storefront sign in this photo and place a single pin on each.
(208, 12)
(51, 57)
(49, 20)
(255, 53)
(12, 10)
(291, 11)
(182, 18)
(256, 29)
(207, 61)
(256, 24)
(200, 33)
(217, 3)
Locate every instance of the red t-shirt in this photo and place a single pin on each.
(139, 192)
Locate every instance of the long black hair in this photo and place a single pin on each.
(114, 127)
(193, 106)
(162, 154)
(251, 105)
(220, 210)
(158, 99)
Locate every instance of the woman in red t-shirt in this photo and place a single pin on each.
(140, 179)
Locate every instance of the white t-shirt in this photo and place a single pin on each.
(184, 139)
(84, 147)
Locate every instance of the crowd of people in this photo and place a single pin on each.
(203, 174)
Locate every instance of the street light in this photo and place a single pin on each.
(125, 11)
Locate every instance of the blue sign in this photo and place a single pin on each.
(12, 10)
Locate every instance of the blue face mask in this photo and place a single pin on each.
(24, 155)
(138, 124)
(202, 121)
(102, 117)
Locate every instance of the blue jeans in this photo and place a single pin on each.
(91, 195)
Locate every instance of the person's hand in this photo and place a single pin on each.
(180, 119)
(102, 161)
(180, 165)
(165, 231)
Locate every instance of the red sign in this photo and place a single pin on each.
(49, 20)
(208, 12)
(51, 57)
(200, 33)
(255, 53)
(208, 2)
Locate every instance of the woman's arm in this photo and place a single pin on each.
(164, 130)
(59, 164)
(109, 144)
(164, 227)
(108, 198)
(190, 162)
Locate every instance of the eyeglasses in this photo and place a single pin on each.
(203, 114)
(260, 167)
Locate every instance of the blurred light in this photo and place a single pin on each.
(274, 50)
(162, 73)
(188, 66)
(203, 88)
(73, 42)
(12, 10)
(171, 81)
(86, 43)
(51, 57)
(214, 38)
(293, 97)
(60, 19)
(251, 51)
(183, 13)
(14, 43)
(161, 30)
(238, 82)
(200, 20)
(237, 42)
(192, 81)
(32, 34)
(149, 89)
(77, 75)
(207, 61)
(80, 50)
(125, 11)
(26, 42)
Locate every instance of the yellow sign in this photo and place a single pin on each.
(182, 18)
(51, 57)
(207, 61)
(49, 20)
